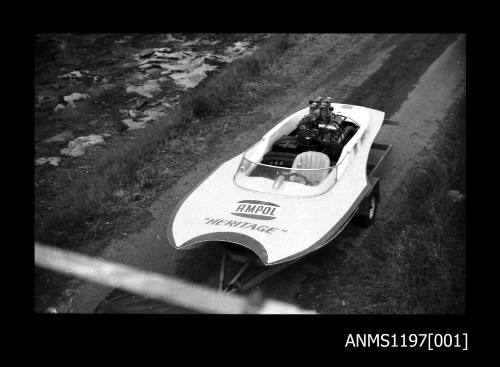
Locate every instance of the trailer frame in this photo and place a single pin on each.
(235, 284)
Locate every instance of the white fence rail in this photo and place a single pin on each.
(155, 286)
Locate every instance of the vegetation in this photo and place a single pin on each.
(83, 197)
(415, 263)
(427, 254)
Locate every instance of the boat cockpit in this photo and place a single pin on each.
(307, 155)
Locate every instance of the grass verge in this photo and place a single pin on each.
(426, 254)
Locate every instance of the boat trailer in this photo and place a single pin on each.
(240, 284)
(237, 283)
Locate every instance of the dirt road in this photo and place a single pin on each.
(415, 79)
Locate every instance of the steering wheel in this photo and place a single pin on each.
(288, 175)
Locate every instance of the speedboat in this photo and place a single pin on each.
(289, 194)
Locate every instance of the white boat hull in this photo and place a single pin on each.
(277, 228)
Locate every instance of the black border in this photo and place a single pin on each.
(307, 332)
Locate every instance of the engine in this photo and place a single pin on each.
(323, 126)
(321, 130)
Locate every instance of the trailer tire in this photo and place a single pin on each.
(366, 219)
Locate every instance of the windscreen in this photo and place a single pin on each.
(284, 180)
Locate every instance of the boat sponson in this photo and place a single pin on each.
(231, 237)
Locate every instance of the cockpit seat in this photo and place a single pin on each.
(314, 161)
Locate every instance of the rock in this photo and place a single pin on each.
(163, 49)
(149, 115)
(168, 105)
(73, 97)
(456, 196)
(146, 90)
(132, 125)
(146, 52)
(73, 75)
(121, 126)
(59, 138)
(145, 66)
(78, 146)
(42, 99)
(156, 103)
(139, 104)
(59, 107)
(54, 161)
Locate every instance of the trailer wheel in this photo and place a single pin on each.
(367, 218)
